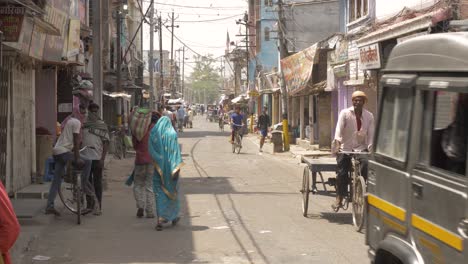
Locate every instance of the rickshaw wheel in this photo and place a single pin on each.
(305, 190)
(359, 214)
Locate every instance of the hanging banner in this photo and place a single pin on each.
(74, 38)
(297, 69)
(369, 57)
(11, 22)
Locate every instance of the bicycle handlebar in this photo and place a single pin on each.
(362, 153)
(237, 125)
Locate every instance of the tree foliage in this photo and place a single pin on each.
(205, 80)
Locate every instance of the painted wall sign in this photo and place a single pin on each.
(74, 38)
(369, 57)
(54, 45)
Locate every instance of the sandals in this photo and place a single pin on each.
(159, 225)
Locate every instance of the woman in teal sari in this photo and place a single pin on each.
(167, 160)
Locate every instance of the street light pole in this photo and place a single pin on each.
(119, 63)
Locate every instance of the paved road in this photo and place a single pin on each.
(237, 209)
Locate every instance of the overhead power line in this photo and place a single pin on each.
(189, 48)
(210, 20)
(199, 7)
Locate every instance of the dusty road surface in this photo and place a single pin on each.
(237, 208)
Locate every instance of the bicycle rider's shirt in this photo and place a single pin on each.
(348, 134)
(237, 119)
(65, 141)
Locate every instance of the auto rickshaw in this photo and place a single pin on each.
(417, 206)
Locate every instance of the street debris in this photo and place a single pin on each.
(41, 258)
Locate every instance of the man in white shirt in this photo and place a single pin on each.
(66, 149)
(354, 133)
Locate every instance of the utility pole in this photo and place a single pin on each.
(172, 54)
(283, 54)
(119, 63)
(151, 57)
(161, 61)
(97, 54)
(183, 71)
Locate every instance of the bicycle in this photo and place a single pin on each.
(221, 124)
(71, 192)
(119, 150)
(237, 144)
(357, 187)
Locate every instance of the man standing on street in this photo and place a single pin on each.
(9, 226)
(354, 133)
(96, 138)
(66, 149)
(264, 122)
(143, 173)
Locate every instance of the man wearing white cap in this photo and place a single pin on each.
(354, 133)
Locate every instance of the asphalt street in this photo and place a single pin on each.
(237, 208)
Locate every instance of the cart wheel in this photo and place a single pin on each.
(305, 191)
(359, 214)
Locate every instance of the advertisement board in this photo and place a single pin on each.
(369, 57)
(11, 22)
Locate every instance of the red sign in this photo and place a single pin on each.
(11, 22)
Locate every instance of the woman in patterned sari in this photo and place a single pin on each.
(167, 160)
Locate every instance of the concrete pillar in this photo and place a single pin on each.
(311, 119)
(301, 117)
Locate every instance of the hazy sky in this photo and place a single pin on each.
(208, 37)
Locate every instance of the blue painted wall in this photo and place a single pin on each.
(268, 55)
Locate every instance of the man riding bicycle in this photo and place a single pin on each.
(354, 133)
(237, 121)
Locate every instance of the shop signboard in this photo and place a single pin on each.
(11, 22)
(297, 69)
(74, 38)
(369, 57)
(36, 49)
(54, 45)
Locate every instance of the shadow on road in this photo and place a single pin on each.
(200, 134)
(217, 185)
(338, 218)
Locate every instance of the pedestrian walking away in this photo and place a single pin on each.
(143, 172)
(354, 132)
(167, 160)
(264, 123)
(180, 115)
(9, 226)
(67, 149)
(96, 139)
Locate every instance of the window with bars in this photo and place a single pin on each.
(357, 9)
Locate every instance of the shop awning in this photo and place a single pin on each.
(46, 27)
(240, 99)
(117, 95)
(422, 22)
(178, 101)
(313, 89)
(270, 91)
(297, 69)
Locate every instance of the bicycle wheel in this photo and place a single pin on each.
(233, 144)
(238, 143)
(67, 194)
(359, 214)
(78, 198)
(305, 191)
